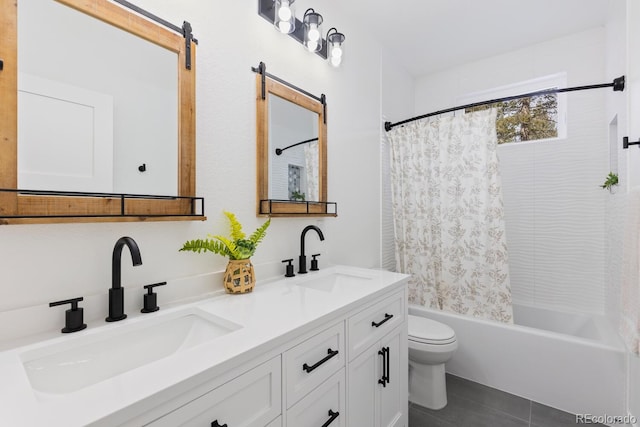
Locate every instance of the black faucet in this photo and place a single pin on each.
(302, 260)
(116, 293)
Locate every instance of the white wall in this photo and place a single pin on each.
(43, 263)
(554, 209)
(622, 47)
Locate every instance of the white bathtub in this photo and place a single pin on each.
(571, 362)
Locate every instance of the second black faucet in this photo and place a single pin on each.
(302, 259)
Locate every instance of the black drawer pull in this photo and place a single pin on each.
(388, 379)
(383, 380)
(217, 424)
(387, 316)
(330, 354)
(333, 416)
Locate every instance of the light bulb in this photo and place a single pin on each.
(313, 34)
(336, 60)
(285, 12)
(284, 27)
(312, 45)
(336, 52)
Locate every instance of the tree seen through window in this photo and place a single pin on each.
(525, 119)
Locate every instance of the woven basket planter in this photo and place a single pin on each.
(239, 277)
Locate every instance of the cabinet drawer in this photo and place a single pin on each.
(323, 407)
(251, 400)
(311, 362)
(372, 323)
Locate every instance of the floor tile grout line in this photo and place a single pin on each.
(434, 413)
(494, 408)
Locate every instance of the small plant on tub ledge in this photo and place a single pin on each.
(612, 179)
(239, 276)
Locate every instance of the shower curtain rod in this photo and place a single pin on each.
(280, 150)
(617, 84)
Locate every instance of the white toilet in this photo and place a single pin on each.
(431, 344)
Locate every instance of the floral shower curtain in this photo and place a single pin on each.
(449, 216)
(630, 288)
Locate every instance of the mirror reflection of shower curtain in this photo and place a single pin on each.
(449, 216)
(313, 170)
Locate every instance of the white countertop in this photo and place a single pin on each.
(274, 313)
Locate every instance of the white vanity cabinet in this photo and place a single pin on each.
(350, 374)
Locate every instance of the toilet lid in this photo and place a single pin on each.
(429, 331)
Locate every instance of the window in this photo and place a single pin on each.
(526, 119)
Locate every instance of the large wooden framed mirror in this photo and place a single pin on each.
(97, 115)
(291, 150)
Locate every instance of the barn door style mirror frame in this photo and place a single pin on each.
(24, 205)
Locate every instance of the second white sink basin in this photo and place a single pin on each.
(75, 364)
(335, 280)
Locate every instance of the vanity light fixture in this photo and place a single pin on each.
(334, 46)
(312, 30)
(284, 16)
(308, 32)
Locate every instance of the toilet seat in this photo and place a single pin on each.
(427, 331)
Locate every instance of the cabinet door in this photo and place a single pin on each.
(364, 373)
(374, 401)
(393, 396)
(251, 400)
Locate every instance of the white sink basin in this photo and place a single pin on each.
(335, 280)
(71, 365)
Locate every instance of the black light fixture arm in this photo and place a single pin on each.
(279, 151)
(617, 85)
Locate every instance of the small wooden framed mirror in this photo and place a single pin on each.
(291, 145)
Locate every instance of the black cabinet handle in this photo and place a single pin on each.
(333, 416)
(383, 380)
(387, 316)
(388, 358)
(217, 424)
(330, 354)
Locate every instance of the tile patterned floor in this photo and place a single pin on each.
(474, 405)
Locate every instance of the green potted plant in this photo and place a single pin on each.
(610, 181)
(239, 276)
